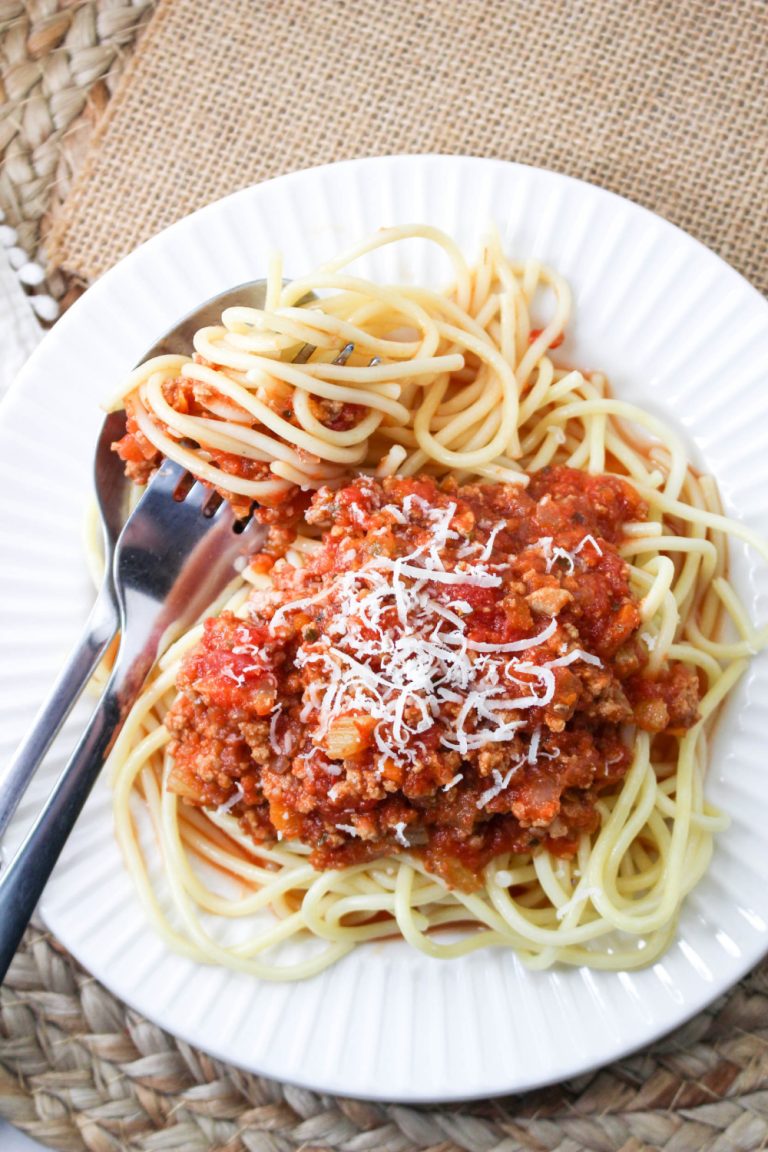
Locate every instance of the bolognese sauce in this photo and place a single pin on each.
(452, 674)
(191, 397)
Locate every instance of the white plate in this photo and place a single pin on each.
(676, 329)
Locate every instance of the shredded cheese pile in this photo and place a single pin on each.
(395, 649)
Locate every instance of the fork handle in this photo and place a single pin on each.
(99, 630)
(22, 883)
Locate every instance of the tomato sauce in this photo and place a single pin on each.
(453, 674)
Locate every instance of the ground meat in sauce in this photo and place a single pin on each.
(248, 728)
(190, 397)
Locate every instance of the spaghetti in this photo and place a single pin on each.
(515, 535)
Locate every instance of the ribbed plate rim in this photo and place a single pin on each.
(101, 299)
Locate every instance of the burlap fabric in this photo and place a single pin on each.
(663, 102)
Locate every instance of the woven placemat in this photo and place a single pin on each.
(79, 1070)
(60, 61)
(663, 102)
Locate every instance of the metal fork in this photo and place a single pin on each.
(173, 558)
(170, 562)
(112, 487)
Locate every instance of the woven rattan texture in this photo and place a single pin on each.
(663, 102)
(78, 1070)
(60, 61)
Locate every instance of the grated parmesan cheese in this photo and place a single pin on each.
(400, 836)
(348, 828)
(552, 555)
(588, 539)
(500, 782)
(394, 646)
(230, 803)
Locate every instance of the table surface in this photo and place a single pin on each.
(11, 1140)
